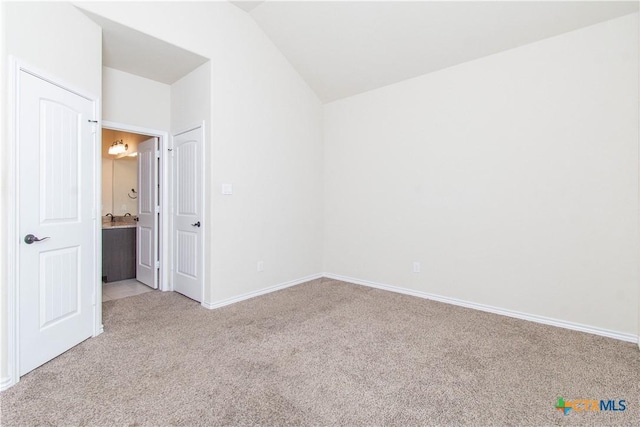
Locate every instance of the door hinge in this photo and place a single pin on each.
(157, 209)
(94, 125)
(157, 264)
(158, 154)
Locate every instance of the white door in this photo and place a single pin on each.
(147, 229)
(187, 210)
(56, 192)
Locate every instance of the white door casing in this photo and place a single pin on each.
(147, 228)
(187, 212)
(56, 200)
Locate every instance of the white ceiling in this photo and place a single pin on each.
(345, 48)
(342, 48)
(247, 5)
(128, 50)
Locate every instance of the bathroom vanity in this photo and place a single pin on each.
(118, 250)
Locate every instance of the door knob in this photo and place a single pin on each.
(30, 238)
(197, 224)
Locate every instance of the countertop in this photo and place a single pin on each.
(106, 225)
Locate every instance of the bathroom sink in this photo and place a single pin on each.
(124, 219)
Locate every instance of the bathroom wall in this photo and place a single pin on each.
(119, 173)
(125, 178)
(107, 186)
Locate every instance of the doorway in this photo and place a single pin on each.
(134, 194)
(129, 246)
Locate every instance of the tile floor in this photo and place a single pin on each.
(123, 289)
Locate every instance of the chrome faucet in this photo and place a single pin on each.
(111, 215)
(127, 214)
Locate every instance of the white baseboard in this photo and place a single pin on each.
(5, 383)
(232, 300)
(482, 307)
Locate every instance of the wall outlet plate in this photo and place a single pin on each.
(416, 267)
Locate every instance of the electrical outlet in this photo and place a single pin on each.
(260, 265)
(416, 267)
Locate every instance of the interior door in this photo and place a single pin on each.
(147, 228)
(187, 210)
(56, 192)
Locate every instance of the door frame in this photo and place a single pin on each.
(164, 146)
(12, 256)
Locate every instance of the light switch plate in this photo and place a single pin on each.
(227, 189)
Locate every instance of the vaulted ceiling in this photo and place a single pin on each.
(342, 48)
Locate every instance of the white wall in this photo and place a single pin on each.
(124, 178)
(46, 35)
(134, 100)
(191, 99)
(513, 179)
(107, 186)
(265, 139)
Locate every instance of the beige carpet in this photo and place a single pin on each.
(324, 353)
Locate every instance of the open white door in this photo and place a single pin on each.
(147, 229)
(57, 284)
(187, 210)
